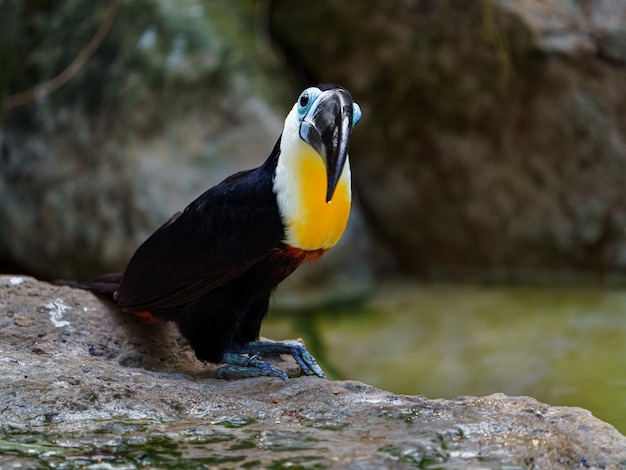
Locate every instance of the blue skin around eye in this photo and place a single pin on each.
(312, 92)
(356, 114)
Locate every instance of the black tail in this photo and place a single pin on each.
(105, 284)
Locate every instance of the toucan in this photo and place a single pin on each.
(212, 268)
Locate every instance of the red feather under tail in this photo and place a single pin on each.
(107, 284)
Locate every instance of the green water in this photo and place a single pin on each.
(562, 346)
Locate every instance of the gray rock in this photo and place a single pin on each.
(84, 384)
(492, 136)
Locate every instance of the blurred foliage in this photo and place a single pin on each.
(54, 33)
(159, 45)
(8, 27)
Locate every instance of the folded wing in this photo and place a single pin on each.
(214, 240)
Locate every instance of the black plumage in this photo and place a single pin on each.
(212, 280)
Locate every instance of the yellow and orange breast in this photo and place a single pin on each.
(311, 223)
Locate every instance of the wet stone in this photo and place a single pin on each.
(71, 408)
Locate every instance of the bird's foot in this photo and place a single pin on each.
(241, 366)
(245, 362)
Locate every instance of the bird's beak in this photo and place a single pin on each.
(326, 127)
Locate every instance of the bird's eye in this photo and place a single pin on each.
(306, 99)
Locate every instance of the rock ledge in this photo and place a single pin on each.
(84, 385)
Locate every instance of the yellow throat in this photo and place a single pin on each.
(300, 184)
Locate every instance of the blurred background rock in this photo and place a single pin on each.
(493, 136)
(493, 142)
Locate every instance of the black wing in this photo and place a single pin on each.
(215, 239)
